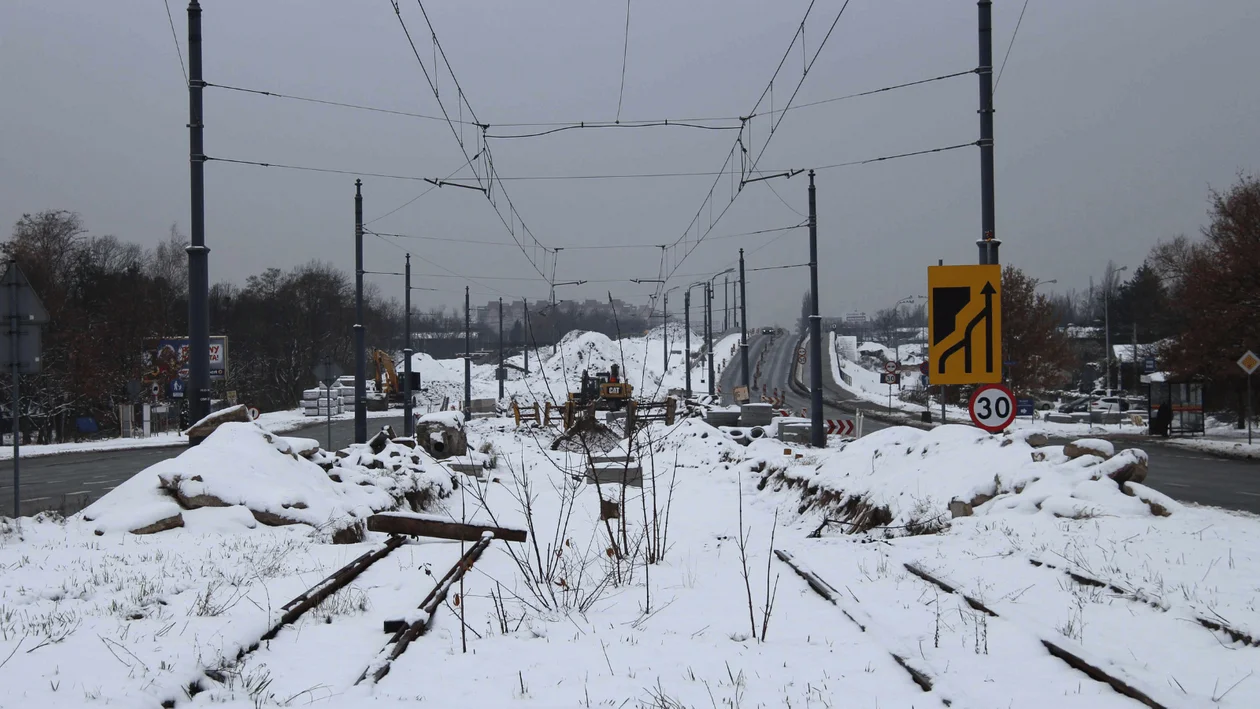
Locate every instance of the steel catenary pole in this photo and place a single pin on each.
(817, 435)
(198, 254)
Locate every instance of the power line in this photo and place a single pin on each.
(639, 123)
(409, 202)
(513, 213)
(747, 169)
(436, 265)
(625, 48)
(1002, 68)
(326, 102)
(776, 268)
(178, 52)
(872, 92)
(419, 178)
(626, 176)
(868, 161)
(584, 125)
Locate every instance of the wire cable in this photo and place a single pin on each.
(644, 124)
(872, 92)
(179, 52)
(326, 102)
(1014, 34)
(625, 48)
(898, 156)
(409, 202)
(488, 187)
(687, 121)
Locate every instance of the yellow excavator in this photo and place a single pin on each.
(606, 390)
(386, 375)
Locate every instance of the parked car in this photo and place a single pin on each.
(1075, 406)
(1110, 404)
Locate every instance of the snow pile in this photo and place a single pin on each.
(242, 474)
(906, 479)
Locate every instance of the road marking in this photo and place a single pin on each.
(1178, 485)
(37, 499)
(80, 492)
(1253, 494)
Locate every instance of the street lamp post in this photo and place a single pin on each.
(709, 301)
(1107, 325)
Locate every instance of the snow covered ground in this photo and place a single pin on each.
(641, 359)
(677, 603)
(274, 421)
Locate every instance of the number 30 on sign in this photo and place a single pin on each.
(992, 407)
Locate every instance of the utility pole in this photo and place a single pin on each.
(198, 254)
(360, 351)
(526, 332)
(409, 422)
(501, 375)
(665, 332)
(467, 356)
(708, 294)
(726, 304)
(687, 337)
(988, 242)
(743, 325)
(816, 435)
(1107, 334)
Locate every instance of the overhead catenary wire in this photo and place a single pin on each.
(1014, 34)
(747, 169)
(178, 51)
(625, 49)
(413, 200)
(625, 176)
(488, 162)
(687, 121)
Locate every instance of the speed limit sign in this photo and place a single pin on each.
(992, 407)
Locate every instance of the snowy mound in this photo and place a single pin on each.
(242, 474)
(906, 479)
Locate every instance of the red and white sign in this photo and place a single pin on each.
(254, 413)
(992, 407)
(840, 427)
(890, 367)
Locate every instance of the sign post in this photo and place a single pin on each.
(20, 350)
(890, 377)
(992, 407)
(1249, 363)
(327, 372)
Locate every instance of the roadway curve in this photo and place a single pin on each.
(71, 481)
(1183, 475)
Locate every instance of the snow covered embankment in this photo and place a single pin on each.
(242, 475)
(905, 480)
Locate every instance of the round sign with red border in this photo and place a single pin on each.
(992, 407)
(890, 367)
(254, 413)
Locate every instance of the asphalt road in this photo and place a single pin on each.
(71, 481)
(1183, 475)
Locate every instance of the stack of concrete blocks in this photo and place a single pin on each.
(755, 415)
(320, 402)
(722, 418)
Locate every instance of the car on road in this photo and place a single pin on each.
(1075, 405)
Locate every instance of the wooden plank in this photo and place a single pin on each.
(417, 526)
(615, 474)
(618, 459)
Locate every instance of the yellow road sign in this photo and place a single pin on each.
(965, 324)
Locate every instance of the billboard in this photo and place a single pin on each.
(166, 358)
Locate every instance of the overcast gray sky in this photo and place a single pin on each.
(1114, 118)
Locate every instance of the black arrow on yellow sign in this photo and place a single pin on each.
(985, 314)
